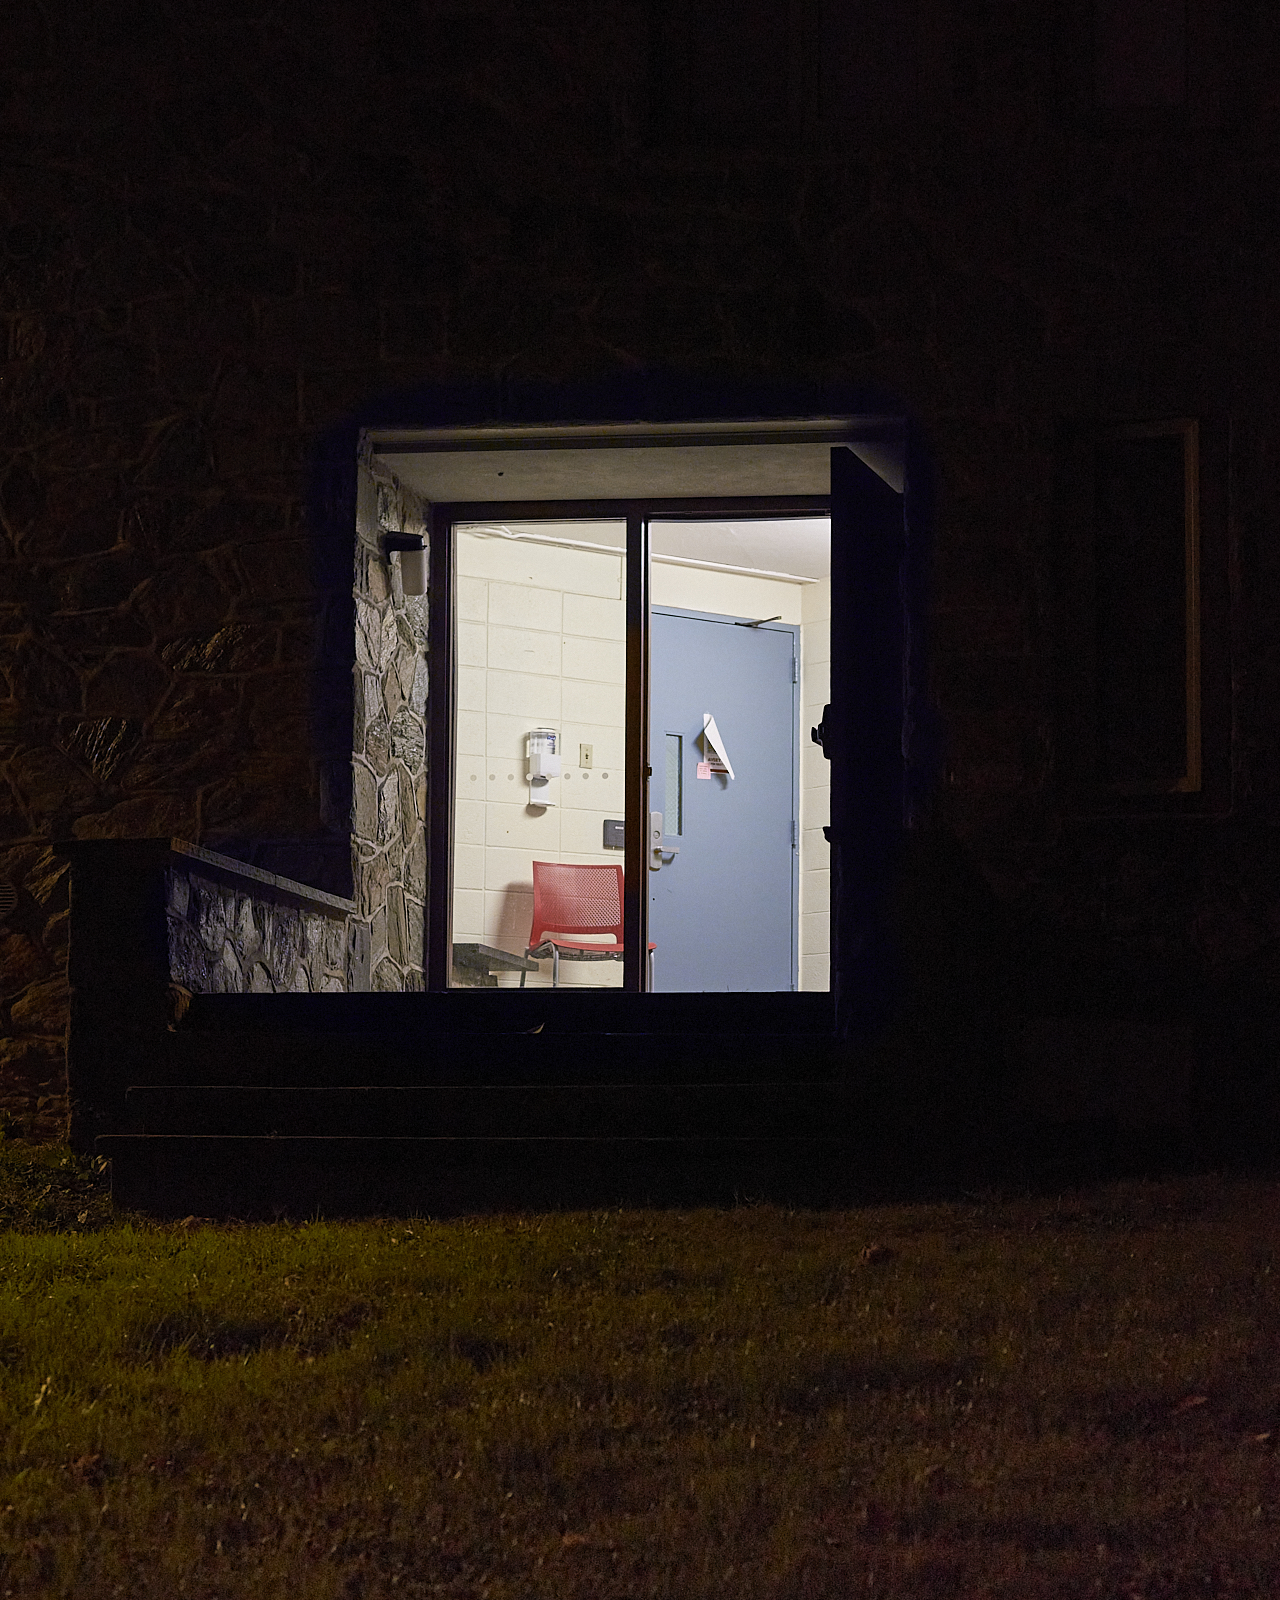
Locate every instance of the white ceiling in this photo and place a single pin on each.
(603, 473)
(785, 547)
(798, 546)
(630, 461)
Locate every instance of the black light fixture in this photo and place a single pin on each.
(413, 559)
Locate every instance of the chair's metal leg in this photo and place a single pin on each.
(523, 976)
(555, 966)
(651, 972)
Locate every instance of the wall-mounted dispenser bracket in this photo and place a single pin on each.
(543, 755)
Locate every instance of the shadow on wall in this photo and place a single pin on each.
(517, 915)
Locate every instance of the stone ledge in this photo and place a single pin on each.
(287, 889)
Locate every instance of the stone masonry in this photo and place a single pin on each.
(33, 972)
(240, 938)
(154, 922)
(389, 775)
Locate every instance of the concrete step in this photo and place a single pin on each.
(492, 1111)
(257, 1105)
(335, 1060)
(486, 1011)
(255, 1177)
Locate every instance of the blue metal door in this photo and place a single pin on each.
(723, 904)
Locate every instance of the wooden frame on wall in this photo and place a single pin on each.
(1143, 691)
(1146, 537)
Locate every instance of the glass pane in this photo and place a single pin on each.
(740, 671)
(540, 721)
(672, 822)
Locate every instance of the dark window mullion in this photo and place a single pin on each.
(440, 763)
(635, 908)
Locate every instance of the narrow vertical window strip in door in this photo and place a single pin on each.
(674, 785)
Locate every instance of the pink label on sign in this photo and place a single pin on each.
(704, 769)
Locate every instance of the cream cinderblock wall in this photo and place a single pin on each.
(541, 642)
(815, 788)
(731, 594)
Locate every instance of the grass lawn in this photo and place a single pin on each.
(1011, 1397)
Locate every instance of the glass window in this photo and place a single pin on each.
(541, 662)
(737, 880)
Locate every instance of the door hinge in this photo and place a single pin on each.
(795, 669)
(795, 833)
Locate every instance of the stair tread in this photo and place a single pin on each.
(261, 1176)
(496, 1111)
(112, 1139)
(789, 1085)
(499, 1011)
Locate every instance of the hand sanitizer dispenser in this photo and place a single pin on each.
(544, 767)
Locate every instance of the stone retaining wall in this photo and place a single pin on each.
(153, 921)
(234, 931)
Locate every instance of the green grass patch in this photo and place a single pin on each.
(1022, 1398)
(45, 1187)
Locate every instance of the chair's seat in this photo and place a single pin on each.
(581, 951)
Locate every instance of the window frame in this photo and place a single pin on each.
(442, 707)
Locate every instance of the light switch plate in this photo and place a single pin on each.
(586, 755)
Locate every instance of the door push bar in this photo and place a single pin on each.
(657, 850)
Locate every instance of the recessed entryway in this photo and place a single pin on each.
(589, 585)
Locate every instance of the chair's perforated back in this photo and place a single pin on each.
(568, 898)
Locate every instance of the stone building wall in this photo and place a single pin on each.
(226, 233)
(34, 993)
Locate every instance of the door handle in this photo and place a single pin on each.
(657, 850)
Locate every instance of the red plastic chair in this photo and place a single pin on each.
(571, 899)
